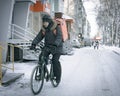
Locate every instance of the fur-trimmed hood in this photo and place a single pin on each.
(53, 27)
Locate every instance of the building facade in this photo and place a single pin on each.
(21, 21)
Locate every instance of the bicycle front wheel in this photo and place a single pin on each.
(37, 80)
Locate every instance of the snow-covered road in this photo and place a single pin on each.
(88, 72)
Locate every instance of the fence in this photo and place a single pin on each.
(3, 65)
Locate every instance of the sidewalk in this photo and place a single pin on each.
(24, 69)
(113, 48)
(8, 78)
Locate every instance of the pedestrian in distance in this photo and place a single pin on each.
(96, 44)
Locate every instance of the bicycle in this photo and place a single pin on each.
(41, 72)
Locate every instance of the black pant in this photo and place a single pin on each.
(55, 61)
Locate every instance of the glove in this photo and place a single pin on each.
(32, 47)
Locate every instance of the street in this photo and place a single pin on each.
(88, 72)
(88, 31)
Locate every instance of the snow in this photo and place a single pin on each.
(114, 48)
(87, 72)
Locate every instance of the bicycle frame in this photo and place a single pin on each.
(41, 72)
(45, 66)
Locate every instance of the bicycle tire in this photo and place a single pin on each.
(37, 77)
(52, 79)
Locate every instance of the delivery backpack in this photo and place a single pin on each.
(62, 24)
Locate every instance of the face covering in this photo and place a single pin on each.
(45, 24)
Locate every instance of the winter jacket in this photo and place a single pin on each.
(50, 37)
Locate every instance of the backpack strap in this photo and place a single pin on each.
(43, 30)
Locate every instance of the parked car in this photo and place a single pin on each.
(67, 48)
(75, 43)
(87, 42)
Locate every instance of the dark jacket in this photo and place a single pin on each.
(50, 37)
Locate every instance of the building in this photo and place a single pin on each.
(76, 10)
(21, 21)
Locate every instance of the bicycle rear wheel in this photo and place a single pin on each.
(37, 80)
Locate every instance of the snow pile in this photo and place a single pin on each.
(114, 48)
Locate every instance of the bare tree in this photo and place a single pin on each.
(108, 20)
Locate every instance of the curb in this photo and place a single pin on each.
(9, 78)
(116, 52)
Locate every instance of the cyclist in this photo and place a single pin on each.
(53, 42)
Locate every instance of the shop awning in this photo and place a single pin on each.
(97, 38)
(68, 18)
(34, 1)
